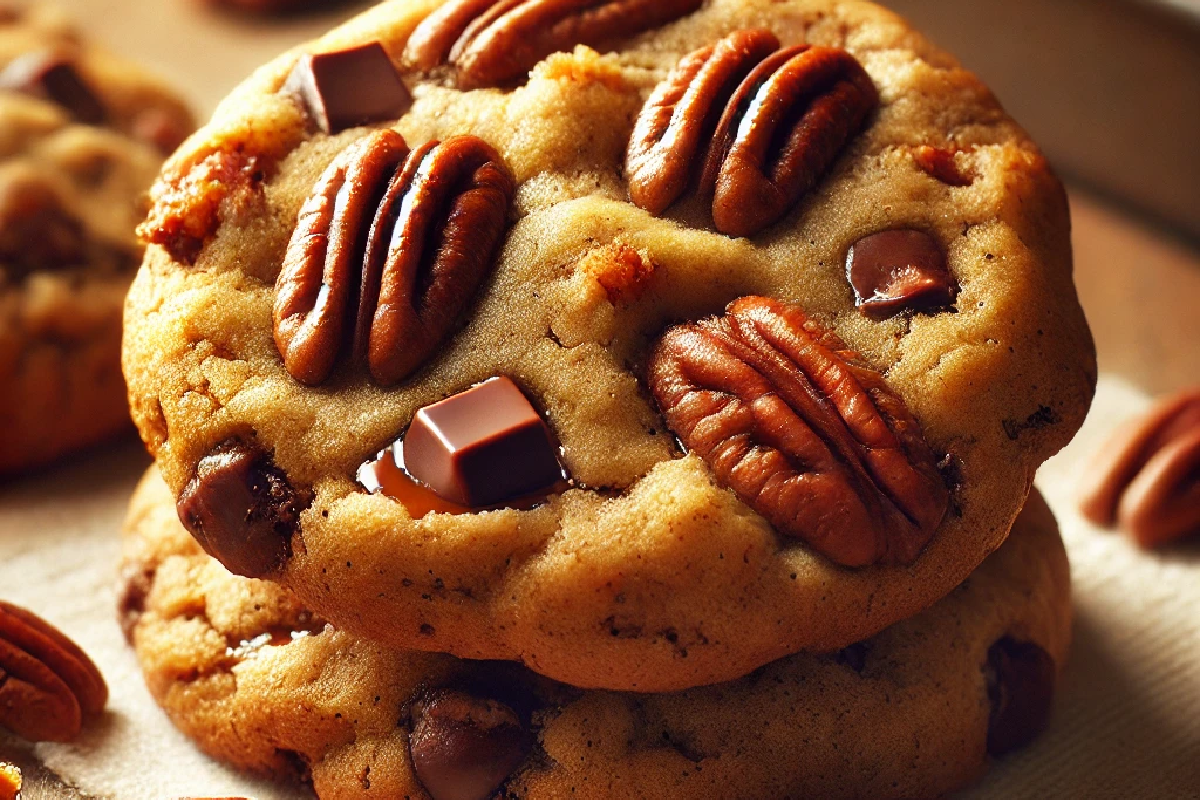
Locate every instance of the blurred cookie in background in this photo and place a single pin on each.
(82, 135)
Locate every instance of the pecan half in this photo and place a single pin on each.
(1147, 477)
(781, 129)
(47, 683)
(494, 42)
(388, 251)
(802, 431)
(682, 114)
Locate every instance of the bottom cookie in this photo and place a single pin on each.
(916, 711)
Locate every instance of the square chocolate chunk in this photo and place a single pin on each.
(482, 446)
(345, 88)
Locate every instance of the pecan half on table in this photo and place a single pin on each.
(1146, 479)
(802, 431)
(775, 121)
(387, 253)
(495, 42)
(47, 683)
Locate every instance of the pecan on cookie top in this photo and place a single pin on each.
(301, 296)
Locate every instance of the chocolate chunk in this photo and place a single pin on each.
(464, 747)
(1020, 678)
(345, 88)
(241, 509)
(52, 76)
(135, 582)
(899, 270)
(36, 230)
(482, 446)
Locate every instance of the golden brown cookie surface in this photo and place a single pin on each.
(916, 711)
(651, 571)
(81, 137)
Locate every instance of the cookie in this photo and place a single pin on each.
(83, 136)
(916, 711)
(791, 403)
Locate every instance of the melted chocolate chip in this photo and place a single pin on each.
(241, 509)
(899, 270)
(1020, 678)
(54, 77)
(135, 582)
(346, 88)
(464, 747)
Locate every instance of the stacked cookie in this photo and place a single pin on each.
(82, 136)
(614, 400)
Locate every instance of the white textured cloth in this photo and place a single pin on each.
(1127, 723)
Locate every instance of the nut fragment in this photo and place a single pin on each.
(806, 434)
(940, 163)
(47, 683)
(1148, 478)
(781, 129)
(464, 747)
(1020, 686)
(494, 42)
(395, 241)
(191, 197)
(682, 114)
(242, 510)
(10, 782)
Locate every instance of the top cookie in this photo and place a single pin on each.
(82, 136)
(834, 451)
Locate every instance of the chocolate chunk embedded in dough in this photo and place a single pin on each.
(464, 747)
(345, 88)
(241, 509)
(1020, 678)
(899, 270)
(482, 446)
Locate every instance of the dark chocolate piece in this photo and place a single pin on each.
(482, 446)
(899, 270)
(346, 88)
(241, 509)
(1020, 684)
(464, 747)
(136, 579)
(386, 474)
(36, 230)
(54, 77)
